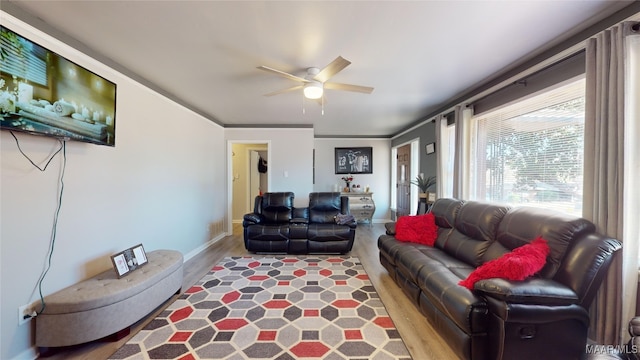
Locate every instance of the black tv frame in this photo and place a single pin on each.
(74, 103)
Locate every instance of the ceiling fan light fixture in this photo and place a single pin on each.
(313, 90)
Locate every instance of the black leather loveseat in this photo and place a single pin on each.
(276, 226)
(542, 317)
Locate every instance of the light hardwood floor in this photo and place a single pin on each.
(420, 338)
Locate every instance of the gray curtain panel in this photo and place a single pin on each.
(603, 169)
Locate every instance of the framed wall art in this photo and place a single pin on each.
(357, 160)
(430, 148)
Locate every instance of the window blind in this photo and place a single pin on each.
(531, 152)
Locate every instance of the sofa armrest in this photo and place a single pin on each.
(533, 291)
(344, 205)
(352, 224)
(252, 218)
(586, 263)
(391, 228)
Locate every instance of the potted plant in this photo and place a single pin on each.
(424, 183)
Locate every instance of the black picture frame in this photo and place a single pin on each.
(48, 77)
(140, 255)
(430, 148)
(119, 262)
(354, 160)
(128, 260)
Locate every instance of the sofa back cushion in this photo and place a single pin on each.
(445, 211)
(475, 229)
(324, 206)
(277, 207)
(522, 225)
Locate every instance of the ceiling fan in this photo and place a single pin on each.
(316, 80)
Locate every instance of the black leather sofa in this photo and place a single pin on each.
(542, 317)
(276, 226)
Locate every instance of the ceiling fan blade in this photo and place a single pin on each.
(348, 87)
(322, 100)
(333, 68)
(282, 73)
(294, 88)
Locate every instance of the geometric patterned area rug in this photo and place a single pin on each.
(278, 307)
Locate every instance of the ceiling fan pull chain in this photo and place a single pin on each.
(322, 103)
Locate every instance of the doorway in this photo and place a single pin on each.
(405, 165)
(258, 168)
(246, 178)
(403, 183)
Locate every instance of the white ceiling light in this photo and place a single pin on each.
(313, 90)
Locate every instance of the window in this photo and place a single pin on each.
(531, 152)
(631, 146)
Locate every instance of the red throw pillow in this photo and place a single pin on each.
(518, 264)
(419, 229)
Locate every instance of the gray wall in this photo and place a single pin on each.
(426, 133)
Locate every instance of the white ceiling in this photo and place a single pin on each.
(418, 55)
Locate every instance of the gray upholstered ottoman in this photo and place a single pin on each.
(104, 305)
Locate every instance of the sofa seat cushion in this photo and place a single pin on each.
(533, 291)
(106, 289)
(437, 274)
(328, 232)
(268, 232)
(438, 282)
(410, 260)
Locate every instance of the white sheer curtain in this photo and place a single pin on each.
(631, 207)
(607, 201)
(442, 149)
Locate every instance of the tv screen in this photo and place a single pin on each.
(43, 93)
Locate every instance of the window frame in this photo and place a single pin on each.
(544, 99)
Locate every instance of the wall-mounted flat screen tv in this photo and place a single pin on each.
(43, 93)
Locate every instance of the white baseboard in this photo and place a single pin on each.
(29, 354)
(203, 247)
(381, 221)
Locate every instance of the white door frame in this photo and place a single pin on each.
(415, 164)
(229, 176)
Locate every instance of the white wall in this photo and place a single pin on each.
(379, 181)
(290, 158)
(160, 185)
